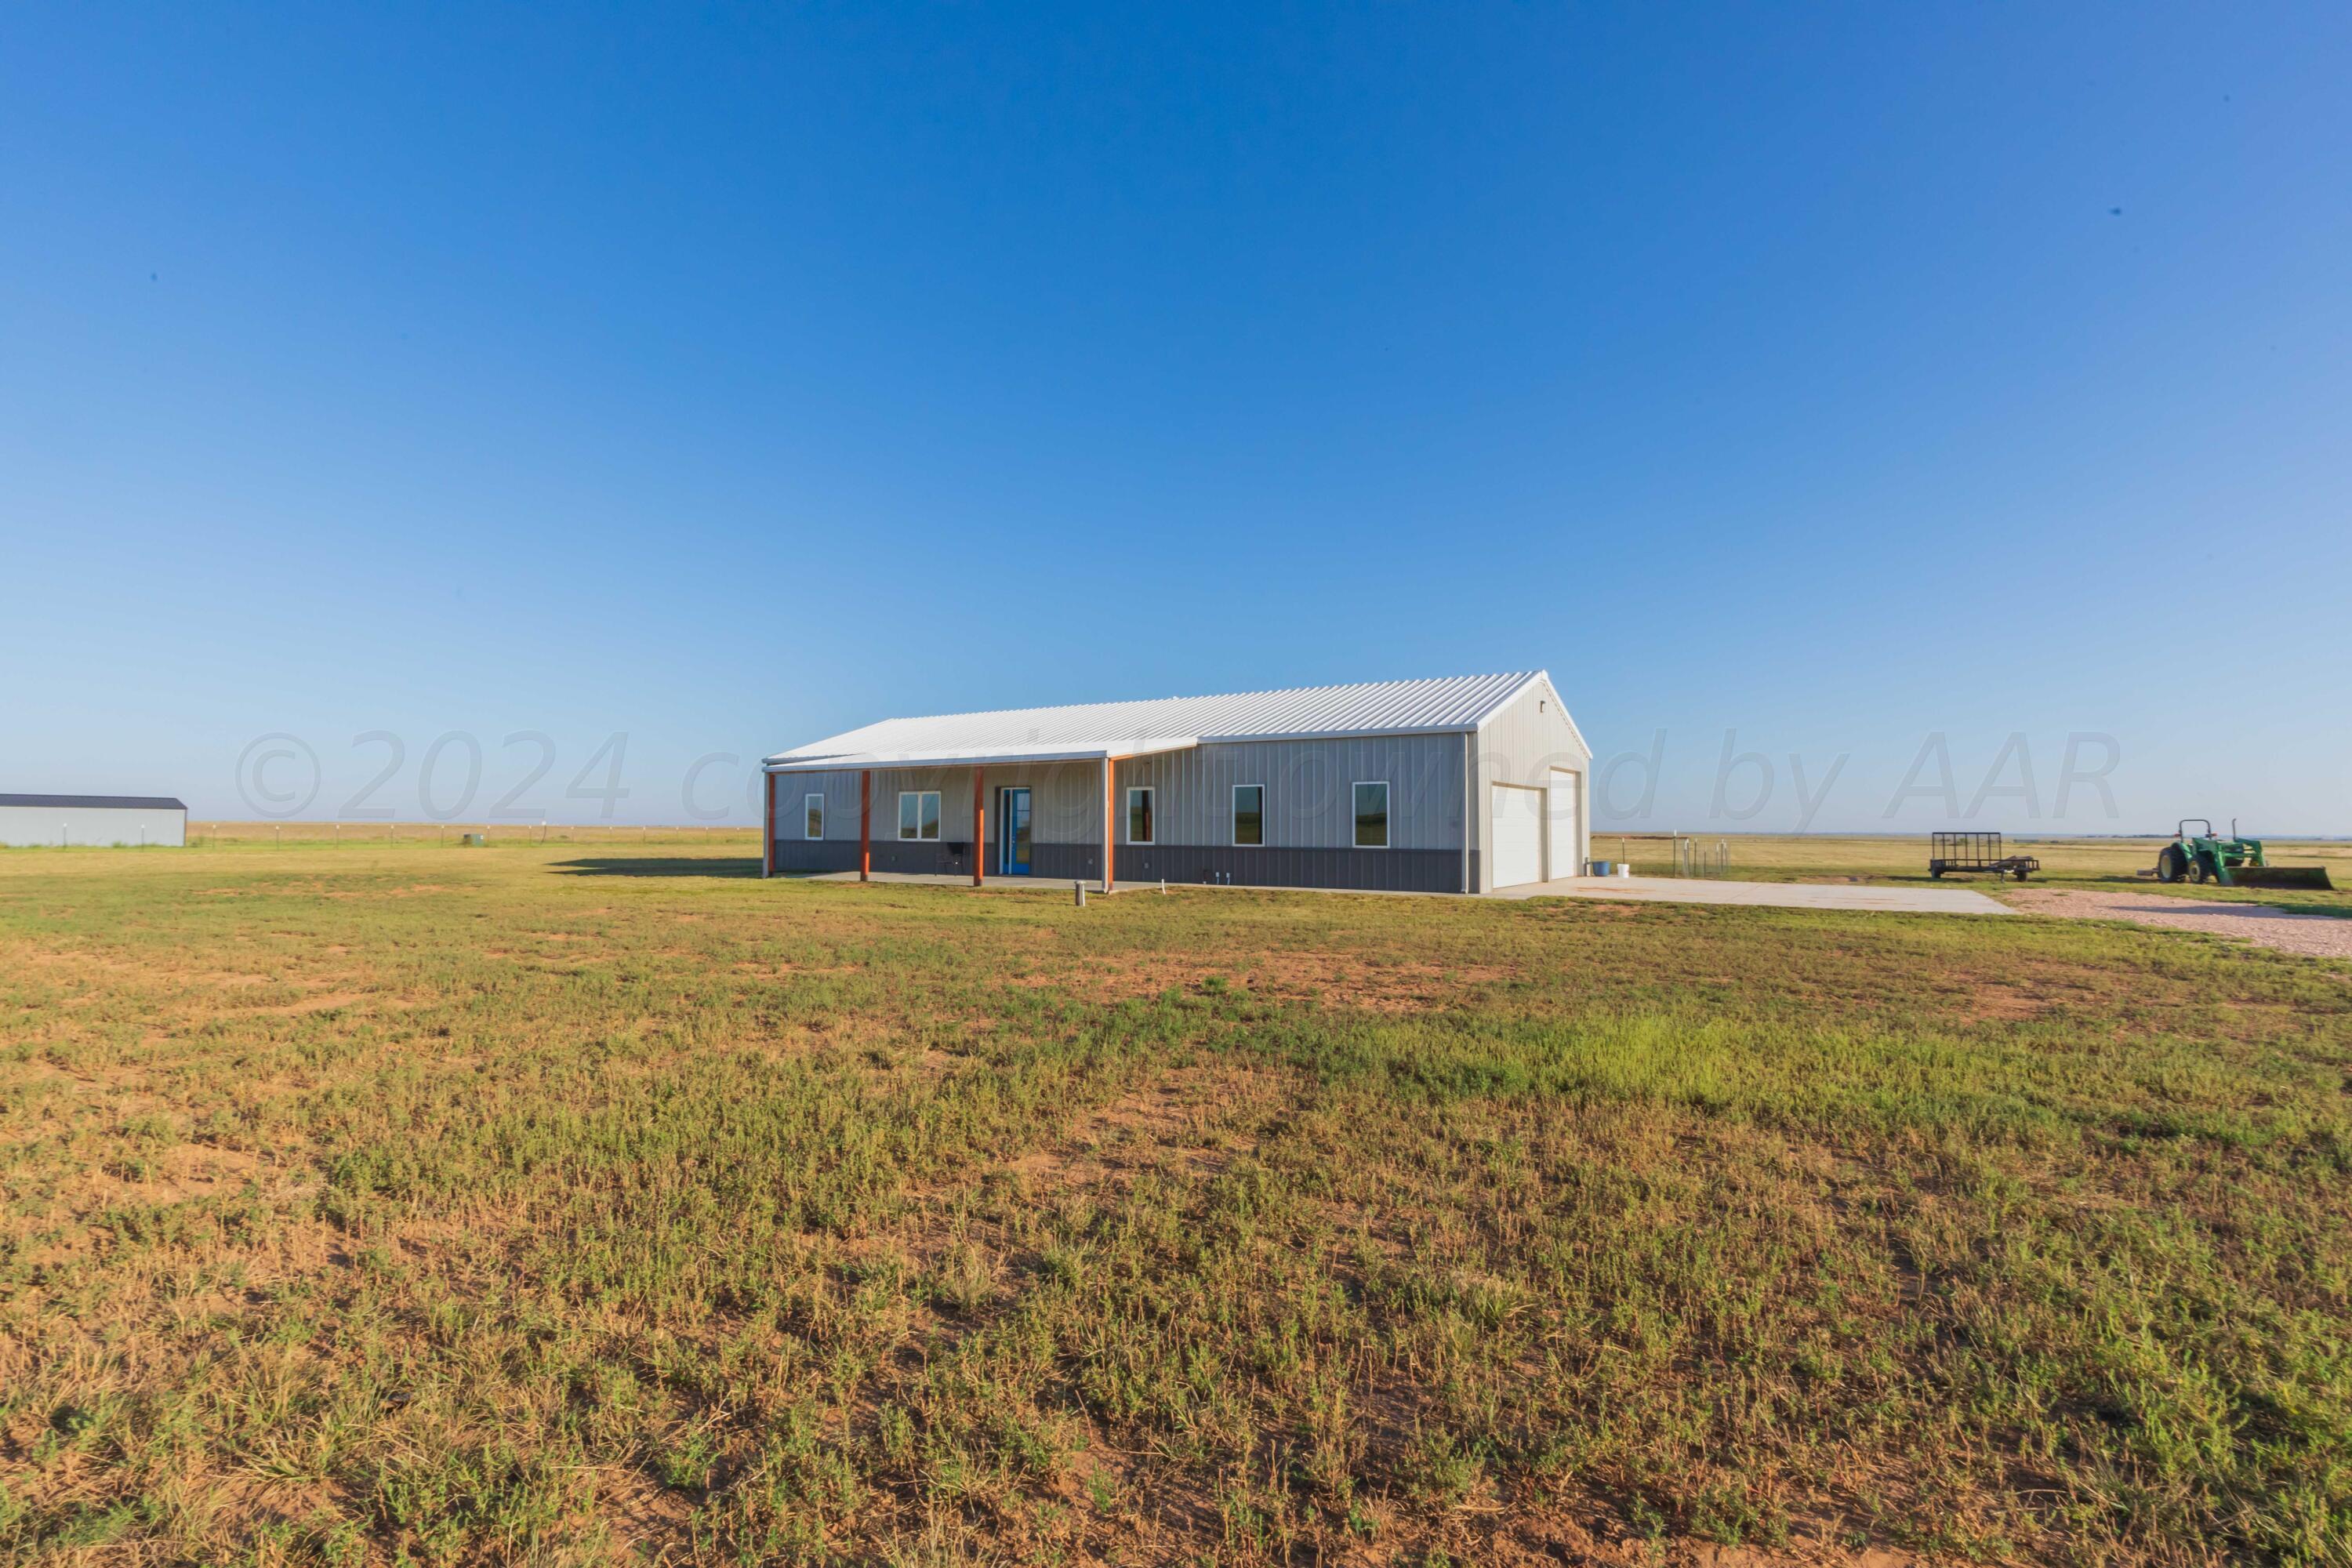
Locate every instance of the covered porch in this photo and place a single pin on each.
(1015, 812)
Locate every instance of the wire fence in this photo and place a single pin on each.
(1697, 857)
(1668, 854)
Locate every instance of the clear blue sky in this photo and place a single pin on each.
(726, 377)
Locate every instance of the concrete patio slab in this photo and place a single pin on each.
(1773, 895)
(929, 879)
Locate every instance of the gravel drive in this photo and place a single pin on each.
(1782, 895)
(2289, 931)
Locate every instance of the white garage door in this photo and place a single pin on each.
(1561, 841)
(1518, 835)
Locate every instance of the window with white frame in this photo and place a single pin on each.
(812, 816)
(1139, 814)
(1373, 815)
(918, 814)
(1249, 813)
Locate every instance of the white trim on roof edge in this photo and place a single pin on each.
(853, 761)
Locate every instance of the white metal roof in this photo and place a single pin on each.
(1094, 730)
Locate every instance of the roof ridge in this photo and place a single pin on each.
(1521, 676)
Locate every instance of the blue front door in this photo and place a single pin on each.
(1012, 832)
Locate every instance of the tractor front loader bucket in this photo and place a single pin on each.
(2280, 877)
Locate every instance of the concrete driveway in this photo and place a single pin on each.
(1773, 895)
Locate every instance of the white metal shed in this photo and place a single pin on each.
(61, 820)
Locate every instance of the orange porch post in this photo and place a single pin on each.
(1109, 764)
(979, 829)
(768, 834)
(866, 826)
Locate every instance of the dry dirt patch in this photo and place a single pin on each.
(325, 1001)
(2288, 930)
(186, 1170)
(1997, 1002)
(1190, 1117)
(1334, 979)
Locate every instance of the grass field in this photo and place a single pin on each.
(590, 1203)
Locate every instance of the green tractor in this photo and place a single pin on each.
(2234, 862)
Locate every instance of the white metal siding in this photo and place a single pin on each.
(85, 825)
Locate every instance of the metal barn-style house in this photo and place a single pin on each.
(1464, 785)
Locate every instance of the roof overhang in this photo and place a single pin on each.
(1083, 751)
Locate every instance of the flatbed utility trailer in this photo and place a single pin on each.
(1975, 852)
